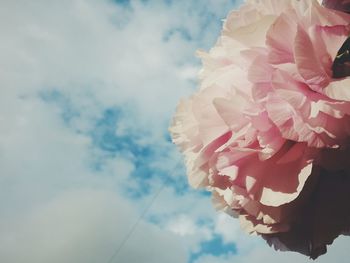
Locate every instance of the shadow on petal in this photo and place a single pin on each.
(323, 216)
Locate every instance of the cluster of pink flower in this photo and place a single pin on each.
(268, 131)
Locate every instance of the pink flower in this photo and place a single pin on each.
(270, 122)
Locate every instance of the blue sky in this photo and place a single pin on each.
(88, 90)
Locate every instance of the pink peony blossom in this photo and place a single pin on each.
(269, 127)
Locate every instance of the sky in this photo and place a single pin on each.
(88, 171)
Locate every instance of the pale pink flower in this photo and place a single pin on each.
(270, 119)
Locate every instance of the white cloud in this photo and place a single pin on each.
(86, 226)
(183, 226)
(97, 56)
(99, 48)
(191, 232)
(45, 217)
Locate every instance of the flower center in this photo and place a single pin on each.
(339, 5)
(341, 63)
